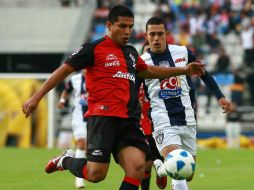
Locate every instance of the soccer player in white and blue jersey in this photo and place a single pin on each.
(76, 86)
(172, 99)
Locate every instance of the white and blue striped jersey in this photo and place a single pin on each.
(77, 86)
(172, 99)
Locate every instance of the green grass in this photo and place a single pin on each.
(23, 169)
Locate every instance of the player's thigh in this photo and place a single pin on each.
(167, 136)
(101, 137)
(130, 135)
(189, 140)
(132, 160)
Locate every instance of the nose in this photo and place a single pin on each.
(156, 37)
(127, 31)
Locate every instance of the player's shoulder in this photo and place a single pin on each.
(176, 48)
(146, 56)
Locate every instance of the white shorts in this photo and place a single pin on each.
(184, 136)
(79, 129)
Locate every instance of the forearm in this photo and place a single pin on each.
(212, 85)
(57, 76)
(162, 72)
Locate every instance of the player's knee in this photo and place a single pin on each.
(96, 176)
(136, 171)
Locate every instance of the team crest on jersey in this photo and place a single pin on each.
(170, 88)
(111, 57)
(159, 137)
(164, 64)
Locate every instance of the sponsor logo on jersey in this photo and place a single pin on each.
(111, 57)
(112, 61)
(159, 137)
(170, 88)
(123, 75)
(97, 153)
(112, 64)
(180, 60)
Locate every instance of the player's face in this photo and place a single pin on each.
(120, 30)
(156, 36)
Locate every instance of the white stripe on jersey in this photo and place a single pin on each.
(161, 91)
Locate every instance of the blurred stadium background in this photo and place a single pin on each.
(36, 36)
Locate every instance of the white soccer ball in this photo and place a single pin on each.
(179, 164)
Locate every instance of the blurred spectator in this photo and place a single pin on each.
(247, 43)
(214, 43)
(184, 38)
(223, 62)
(250, 82)
(237, 88)
(65, 3)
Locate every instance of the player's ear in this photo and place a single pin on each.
(109, 26)
(145, 35)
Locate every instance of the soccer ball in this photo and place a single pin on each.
(179, 164)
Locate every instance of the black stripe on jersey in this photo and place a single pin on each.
(174, 106)
(133, 106)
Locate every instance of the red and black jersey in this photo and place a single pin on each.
(110, 79)
(145, 121)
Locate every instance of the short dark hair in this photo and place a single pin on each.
(156, 21)
(119, 10)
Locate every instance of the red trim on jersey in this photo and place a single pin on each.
(132, 181)
(85, 173)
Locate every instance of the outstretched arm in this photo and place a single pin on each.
(57, 76)
(213, 86)
(165, 72)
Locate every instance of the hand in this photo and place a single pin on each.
(226, 105)
(195, 68)
(60, 105)
(29, 106)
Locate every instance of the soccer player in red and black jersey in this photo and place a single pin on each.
(147, 127)
(112, 126)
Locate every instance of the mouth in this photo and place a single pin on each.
(156, 45)
(125, 39)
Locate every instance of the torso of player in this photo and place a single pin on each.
(110, 79)
(170, 98)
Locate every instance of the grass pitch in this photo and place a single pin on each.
(23, 169)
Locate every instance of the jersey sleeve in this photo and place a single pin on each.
(68, 87)
(191, 56)
(82, 58)
(212, 85)
(141, 65)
